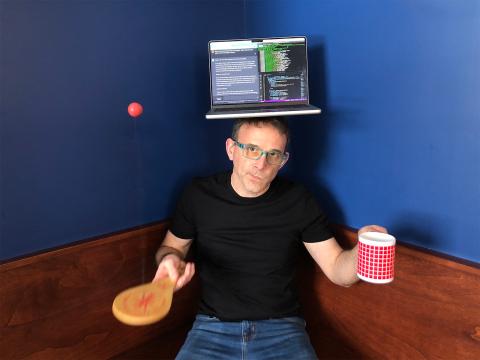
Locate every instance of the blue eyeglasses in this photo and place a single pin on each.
(253, 152)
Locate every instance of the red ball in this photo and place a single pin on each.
(135, 109)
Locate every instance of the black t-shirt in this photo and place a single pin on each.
(246, 248)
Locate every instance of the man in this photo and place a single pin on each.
(248, 225)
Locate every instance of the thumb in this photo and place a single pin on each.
(172, 270)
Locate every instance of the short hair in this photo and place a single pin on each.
(278, 123)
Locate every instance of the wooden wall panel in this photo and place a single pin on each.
(57, 305)
(430, 311)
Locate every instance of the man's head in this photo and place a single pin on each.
(277, 122)
(257, 149)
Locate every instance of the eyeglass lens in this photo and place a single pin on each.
(254, 152)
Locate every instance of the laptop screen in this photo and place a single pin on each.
(258, 72)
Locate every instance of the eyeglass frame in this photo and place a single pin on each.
(285, 155)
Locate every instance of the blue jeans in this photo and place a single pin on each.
(283, 338)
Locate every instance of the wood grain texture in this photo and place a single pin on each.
(57, 305)
(430, 311)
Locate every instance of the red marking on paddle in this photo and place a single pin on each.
(145, 301)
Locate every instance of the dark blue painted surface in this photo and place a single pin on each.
(73, 163)
(398, 143)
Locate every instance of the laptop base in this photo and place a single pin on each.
(241, 114)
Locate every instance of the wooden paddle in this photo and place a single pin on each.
(144, 304)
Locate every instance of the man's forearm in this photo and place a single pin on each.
(346, 267)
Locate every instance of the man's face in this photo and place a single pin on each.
(251, 178)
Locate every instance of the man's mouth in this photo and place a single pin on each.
(254, 177)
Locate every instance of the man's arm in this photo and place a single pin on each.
(172, 245)
(339, 265)
(170, 259)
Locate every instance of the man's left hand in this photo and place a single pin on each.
(376, 228)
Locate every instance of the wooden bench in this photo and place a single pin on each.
(57, 305)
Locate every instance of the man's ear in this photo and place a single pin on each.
(229, 145)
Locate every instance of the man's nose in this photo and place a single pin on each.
(262, 162)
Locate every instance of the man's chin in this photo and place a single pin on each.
(256, 189)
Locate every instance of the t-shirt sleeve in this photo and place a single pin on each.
(183, 222)
(316, 227)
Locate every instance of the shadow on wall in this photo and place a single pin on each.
(205, 138)
(419, 229)
(310, 135)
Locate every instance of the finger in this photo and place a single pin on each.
(182, 280)
(379, 228)
(160, 273)
(186, 276)
(173, 270)
(181, 268)
(193, 269)
(189, 271)
(376, 228)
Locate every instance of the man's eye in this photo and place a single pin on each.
(252, 148)
(274, 154)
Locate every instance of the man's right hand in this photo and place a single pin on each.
(176, 269)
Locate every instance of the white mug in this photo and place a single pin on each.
(376, 257)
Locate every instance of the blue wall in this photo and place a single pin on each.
(398, 143)
(73, 164)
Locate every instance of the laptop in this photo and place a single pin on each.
(259, 78)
